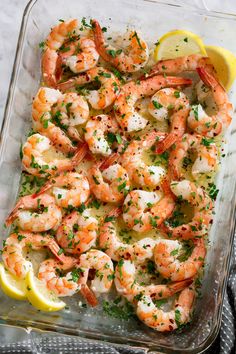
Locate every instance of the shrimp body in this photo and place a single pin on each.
(144, 211)
(102, 263)
(68, 189)
(105, 95)
(165, 101)
(127, 286)
(13, 252)
(82, 56)
(139, 172)
(130, 59)
(110, 243)
(71, 110)
(128, 118)
(95, 133)
(205, 162)
(202, 205)
(182, 64)
(163, 321)
(77, 232)
(110, 184)
(61, 285)
(42, 118)
(36, 214)
(35, 163)
(166, 254)
(213, 125)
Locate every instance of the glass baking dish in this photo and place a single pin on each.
(153, 18)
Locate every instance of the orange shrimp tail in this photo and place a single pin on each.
(180, 285)
(115, 212)
(45, 188)
(166, 143)
(207, 78)
(11, 217)
(89, 295)
(110, 160)
(80, 154)
(178, 81)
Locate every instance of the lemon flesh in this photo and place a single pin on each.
(224, 62)
(40, 297)
(178, 43)
(11, 285)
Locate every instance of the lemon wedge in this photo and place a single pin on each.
(178, 43)
(39, 296)
(224, 62)
(11, 285)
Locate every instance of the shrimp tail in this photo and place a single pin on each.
(180, 285)
(166, 143)
(80, 154)
(11, 217)
(110, 160)
(178, 81)
(207, 78)
(89, 295)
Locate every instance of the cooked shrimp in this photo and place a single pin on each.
(95, 133)
(69, 189)
(51, 272)
(129, 59)
(36, 214)
(13, 252)
(213, 125)
(166, 253)
(102, 97)
(205, 162)
(182, 64)
(69, 111)
(110, 184)
(109, 242)
(83, 54)
(77, 232)
(127, 117)
(103, 278)
(144, 211)
(165, 101)
(34, 162)
(42, 119)
(163, 321)
(139, 172)
(127, 285)
(202, 205)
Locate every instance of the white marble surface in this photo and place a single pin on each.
(10, 19)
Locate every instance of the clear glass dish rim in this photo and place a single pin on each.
(43, 327)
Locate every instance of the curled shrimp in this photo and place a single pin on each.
(139, 172)
(182, 64)
(212, 125)
(77, 232)
(68, 189)
(163, 321)
(70, 111)
(128, 118)
(13, 254)
(205, 162)
(129, 59)
(42, 118)
(202, 205)
(52, 273)
(102, 97)
(109, 242)
(166, 253)
(127, 286)
(109, 184)
(34, 160)
(165, 101)
(104, 273)
(143, 211)
(81, 53)
(95, 133)
(36, 214)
